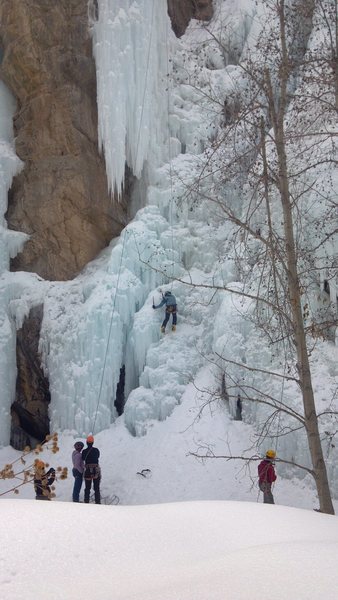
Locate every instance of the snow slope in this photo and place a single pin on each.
(103, 319)
(196, 426)
(184, 551)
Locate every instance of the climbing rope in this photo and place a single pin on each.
(146, 78)
(125, 232)
(281, 399)
(170, 162)
(109, 332)
(170, 216)
(280, 404)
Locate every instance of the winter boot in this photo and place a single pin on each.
(173, 328)
(162, 329)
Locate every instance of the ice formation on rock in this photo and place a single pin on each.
(131, 45)
(180, 240)
(10, 243)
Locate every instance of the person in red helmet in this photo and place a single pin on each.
(267, 476)
(92, 471)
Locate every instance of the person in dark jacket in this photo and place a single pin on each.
(169, 301)
(92, 471)
(43, 481)
(239, 407)
(267, 476)
(78, 468)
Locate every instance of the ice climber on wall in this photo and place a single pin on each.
(169, 301)
(267, 476)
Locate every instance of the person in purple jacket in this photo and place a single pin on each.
(78, 468)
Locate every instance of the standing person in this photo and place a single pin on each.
(92, 471)
(239, 407)
(78, 468)
(267, 476)
(169, 301)
(43, 481)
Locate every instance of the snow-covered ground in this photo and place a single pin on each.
(184, 530)
(175, 474)
(179, 551)
(102, 320)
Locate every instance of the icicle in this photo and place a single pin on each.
(131, 57)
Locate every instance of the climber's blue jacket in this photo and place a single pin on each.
(168, 300)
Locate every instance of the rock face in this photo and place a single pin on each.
(181, 11)
(30, 420)
(61, 197)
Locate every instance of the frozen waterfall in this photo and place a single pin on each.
(161, 106)
(131, 45)
(10, 243)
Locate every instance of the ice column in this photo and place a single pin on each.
(10, 243)
(130, 41)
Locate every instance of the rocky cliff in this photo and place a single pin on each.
(60, 198)
(181, 11)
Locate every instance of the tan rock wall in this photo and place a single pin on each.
(30, 409)
(181, 11)
(60, 198)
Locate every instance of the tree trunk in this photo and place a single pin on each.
(310, 415)
(311, 421)
(335, 55)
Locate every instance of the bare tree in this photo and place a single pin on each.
(24, 468)
(285, 123)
